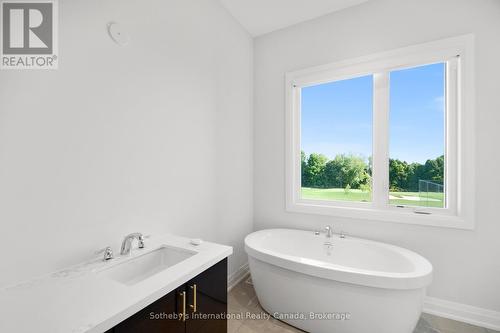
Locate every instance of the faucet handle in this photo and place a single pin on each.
(108, 253)
(141, 241)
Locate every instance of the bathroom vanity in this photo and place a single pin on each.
(171, 285)
(196, 306)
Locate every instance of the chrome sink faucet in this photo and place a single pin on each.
(127, 242)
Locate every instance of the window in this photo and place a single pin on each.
(417, 134)
(385, 137)
(336, 144)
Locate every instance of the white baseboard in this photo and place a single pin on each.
(462, 312)
(236, 277)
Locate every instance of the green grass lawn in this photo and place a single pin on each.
(334, 194)
(397, 198)
(429, 199)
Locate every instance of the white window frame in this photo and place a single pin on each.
(457, 52)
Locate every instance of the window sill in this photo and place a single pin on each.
(446, 221)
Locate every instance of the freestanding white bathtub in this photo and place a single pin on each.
(351, 285)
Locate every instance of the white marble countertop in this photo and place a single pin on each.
(80, 299)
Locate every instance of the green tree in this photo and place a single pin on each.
(346, 170)
(303, 167)
(399, 172)
(406, 177)
(315, 170)
(434, 169)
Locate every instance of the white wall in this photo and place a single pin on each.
(467, 264)
(120, 139)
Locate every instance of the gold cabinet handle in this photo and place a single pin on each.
(183, 314)
(193, 306)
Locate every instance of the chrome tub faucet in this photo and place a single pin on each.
(329, 231)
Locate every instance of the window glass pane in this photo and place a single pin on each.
(417, 136)
(336, 140)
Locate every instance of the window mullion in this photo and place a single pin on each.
(451, 153)
(380, 162)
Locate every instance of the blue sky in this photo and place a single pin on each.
(337, 116)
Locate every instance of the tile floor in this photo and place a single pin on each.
(242, 299)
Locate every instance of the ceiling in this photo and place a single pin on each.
(262, 16)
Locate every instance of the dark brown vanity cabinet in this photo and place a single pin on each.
(198, 306)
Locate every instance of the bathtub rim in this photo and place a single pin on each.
(421, 277)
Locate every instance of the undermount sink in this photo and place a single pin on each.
(139, 268)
